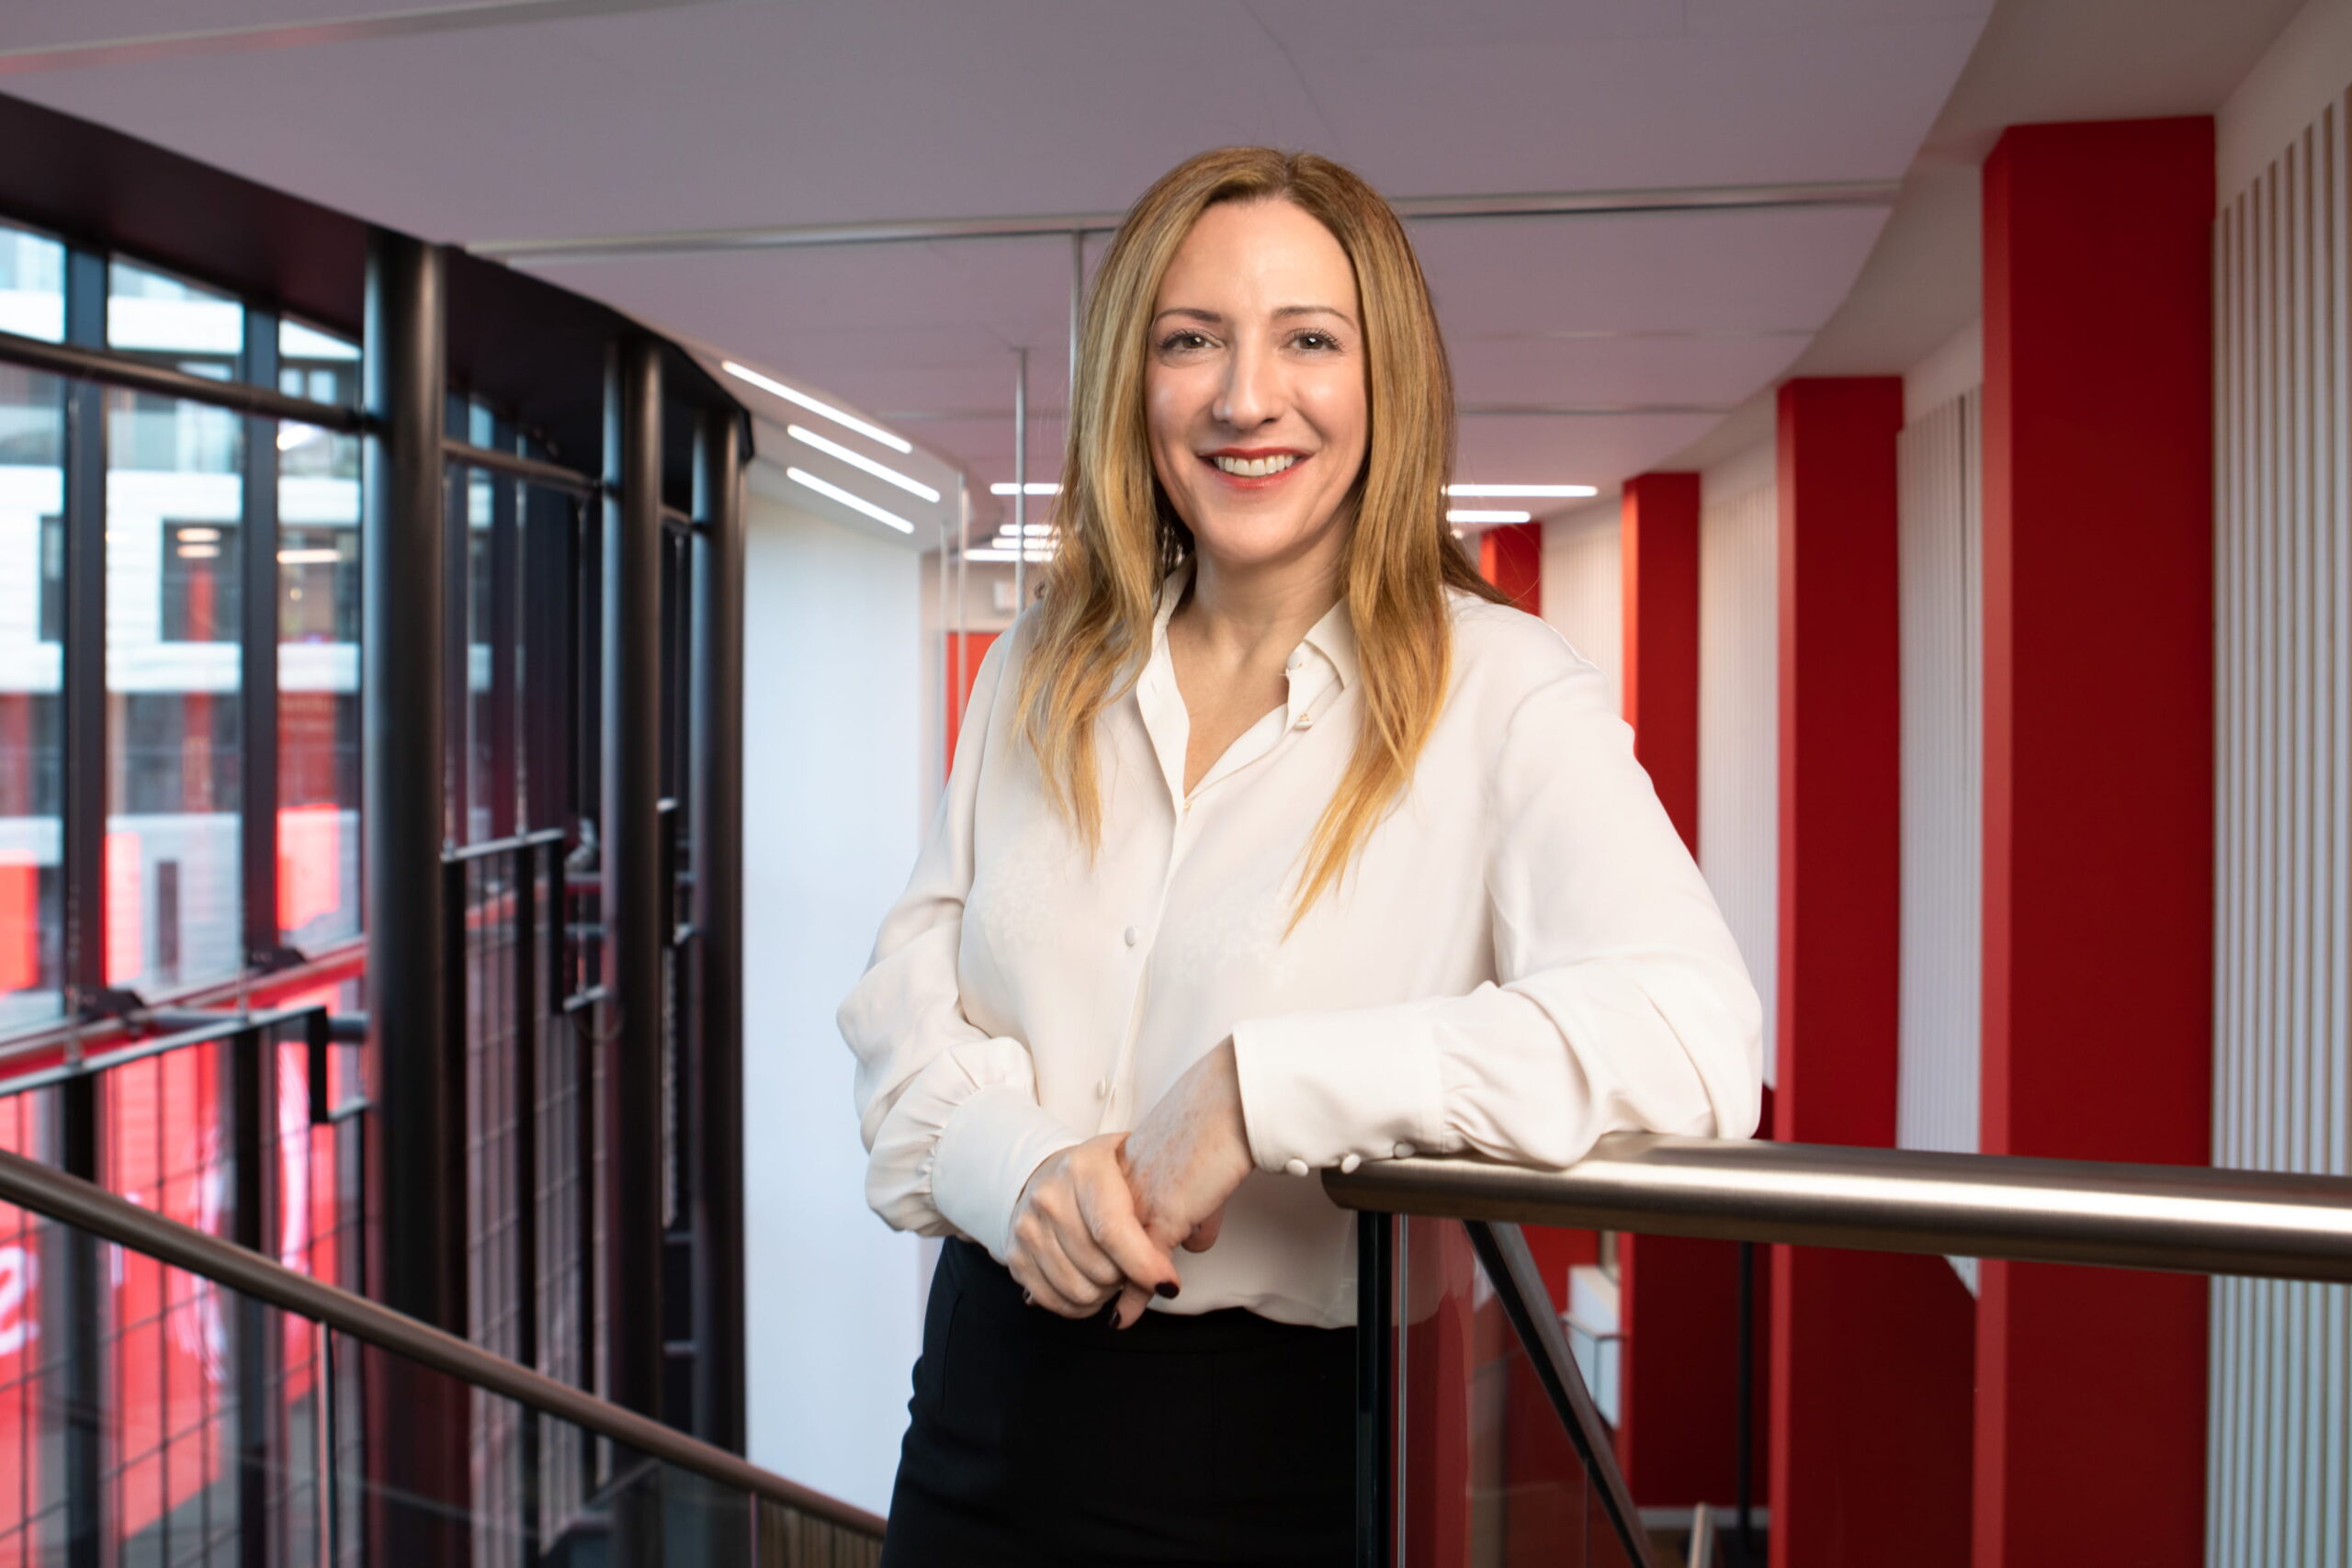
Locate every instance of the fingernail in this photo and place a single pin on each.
(1166, 1289)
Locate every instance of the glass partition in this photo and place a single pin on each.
(175, 536)
(32, 630)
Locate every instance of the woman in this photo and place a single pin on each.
(1273, 843)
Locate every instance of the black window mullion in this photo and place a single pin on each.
(257, 686)
(85, 653)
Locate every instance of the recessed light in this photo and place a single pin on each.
(1530, 493)
(827, 411)
(860, 461)
(854, 501)
(1474, 515)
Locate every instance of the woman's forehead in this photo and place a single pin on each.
(1262, 256)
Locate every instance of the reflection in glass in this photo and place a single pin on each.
(32, 626)
(318, 648)
(199, 330)
(32, 285)
(173, 537)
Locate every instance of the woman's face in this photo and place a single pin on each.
(1254, 384)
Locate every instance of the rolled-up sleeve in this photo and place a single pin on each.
(949, 1113)
(1622, 1002)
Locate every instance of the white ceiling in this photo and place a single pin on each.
(1585, 347)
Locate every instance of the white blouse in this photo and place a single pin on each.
(1522, 957)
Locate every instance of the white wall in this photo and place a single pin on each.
(833, 806)
(1739, 716)
(2279, 1433)
(1584, 587)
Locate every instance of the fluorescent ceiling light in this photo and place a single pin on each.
(1473, 515)
(827, 411)
(990, 552)
(1034, 487)
(198, 552)
(860, 461)
(855, 503)
(1035, 530)
(309, 558)
(291, 435)
(1529, 491)
(200, 536)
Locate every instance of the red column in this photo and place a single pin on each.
(2098, 813)
(1870, 1382)
(1677, 1435)
(1510, 555)
(1660, 571)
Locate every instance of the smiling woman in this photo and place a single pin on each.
(1273, 844)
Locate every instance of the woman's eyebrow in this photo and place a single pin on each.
(1192, 313)
(1288, 310)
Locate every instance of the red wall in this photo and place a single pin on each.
(2098, 813)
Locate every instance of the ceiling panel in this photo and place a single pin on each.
(769, 113)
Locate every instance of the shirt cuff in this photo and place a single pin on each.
(1336, 1088)
(990, 1147)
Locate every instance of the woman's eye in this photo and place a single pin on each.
(1183, 342)
(1317, 343)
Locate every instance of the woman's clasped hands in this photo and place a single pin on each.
(1100, 1218)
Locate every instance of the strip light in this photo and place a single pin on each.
(1474, 515)
(991, 552)
(1035, 487)
(827, 411)
(860, 461)
(1516, 491)
(855, 503)
(309, 557)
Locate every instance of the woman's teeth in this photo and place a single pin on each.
(1254, 468)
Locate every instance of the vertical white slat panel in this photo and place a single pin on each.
(2280, 1463)
(1584, 590)
(1739, 729)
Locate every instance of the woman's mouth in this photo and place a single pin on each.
(1256, 469)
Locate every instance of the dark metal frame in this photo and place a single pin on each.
(71, 1202)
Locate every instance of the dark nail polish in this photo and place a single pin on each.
(1166, 1289)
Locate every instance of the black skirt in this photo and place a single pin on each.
(1037, 1440)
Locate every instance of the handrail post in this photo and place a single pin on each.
(1375, 1396)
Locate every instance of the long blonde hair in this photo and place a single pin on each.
(1121, 536)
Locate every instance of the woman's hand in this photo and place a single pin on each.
(1184, 1160)
(1076, 1237)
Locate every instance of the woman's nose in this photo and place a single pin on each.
(1252, 393)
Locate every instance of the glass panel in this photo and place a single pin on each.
(175, 512)
(318, 652)
(1487, 1476)
(32, 285)
(32, 627)
(201, 331)
(32, 1497)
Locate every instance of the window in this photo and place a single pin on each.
(318, 652)
(199, 582)
(175, 510)
(32, 583)
(32, 285)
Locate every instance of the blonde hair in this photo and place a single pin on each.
(1121, 536)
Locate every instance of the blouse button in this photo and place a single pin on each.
(1294, 661)
(1103, 1089)
(1348, 1163)
(1302, 721)
(1132, 935)
(1404, 1151)
(1296, 1167)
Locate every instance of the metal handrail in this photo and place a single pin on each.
(73, 1201)
(114, 368)
(2188, 1219)
(515, 466)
